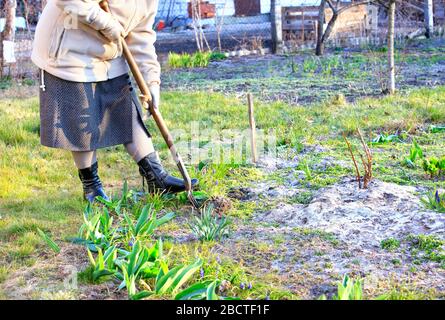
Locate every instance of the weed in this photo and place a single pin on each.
(390, 244)
(49, 241)
(435, 201)
(430, 247)
(209, 227)
(435, 167)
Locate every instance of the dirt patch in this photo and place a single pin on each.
(361, 218)
(56, 277)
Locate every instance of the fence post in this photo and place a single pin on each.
(277, 26)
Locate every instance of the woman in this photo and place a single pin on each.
(87, 101)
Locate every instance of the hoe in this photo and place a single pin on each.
(157, 116)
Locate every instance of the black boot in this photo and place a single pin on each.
(92, 187)
(158, 180)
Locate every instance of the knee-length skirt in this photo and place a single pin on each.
(80, 116)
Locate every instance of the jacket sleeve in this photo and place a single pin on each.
(87, 12)
(141, 44)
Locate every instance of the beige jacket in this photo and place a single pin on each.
(73, 40)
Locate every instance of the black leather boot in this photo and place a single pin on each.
(92, 187)
(158, 180)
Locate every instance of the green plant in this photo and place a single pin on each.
(169, 281)
(120, 245)
(104, 263)
(386, 138)
(48, 241)
(429, 247)
(217, 56)
(200, 291)
(208, 226)
(147, 222)
(348, 289)
(435, 201)
(196, 60)
(414, 153)
(307, 170)
(390, 244)
(310, 65)
(434, 166)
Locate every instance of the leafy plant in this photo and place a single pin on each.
(198, 59)
(169, 281)
(104, 263)
(120, 245)
(348, 289)
(435, 201)
(208, 226)
(147, 222)
(200, 291)
(434, 166)
(414, 153)
(386, 138)
(430, 247)
(307, 170)
(48, 241)
(390, 244)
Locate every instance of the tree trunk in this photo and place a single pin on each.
(391, 66)
(8, 33)
(429, 18)
(277, 26)
(9, 30)
(319, 50)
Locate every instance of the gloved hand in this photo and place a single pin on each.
(114, 30)
(155, 91)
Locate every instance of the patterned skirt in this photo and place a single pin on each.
(87, 116)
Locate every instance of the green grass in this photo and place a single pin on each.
(196, 60)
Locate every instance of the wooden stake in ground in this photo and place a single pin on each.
(391, 64)
(252, 128)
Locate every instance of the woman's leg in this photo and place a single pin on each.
(142, 151)
(142, 145)
(84, 159)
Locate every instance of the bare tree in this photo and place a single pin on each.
(391, 32)
(8, 33)
(429, 18)
(219, 21)
(201, 40)
(337, 7)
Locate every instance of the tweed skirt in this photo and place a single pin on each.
(80, 116)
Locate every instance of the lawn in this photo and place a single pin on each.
(269, 253)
